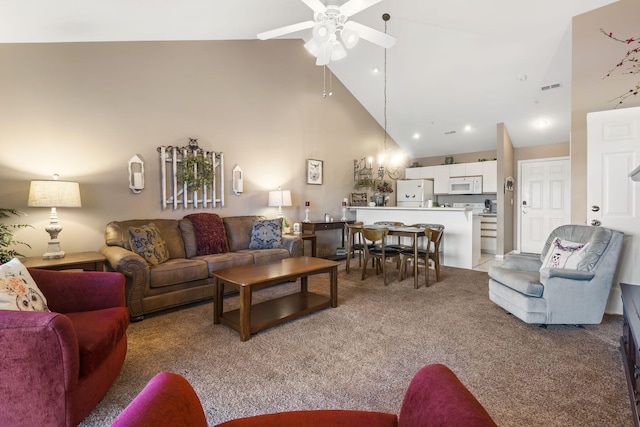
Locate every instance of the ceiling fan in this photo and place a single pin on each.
(332, 32)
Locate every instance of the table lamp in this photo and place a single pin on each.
(279, 198)
(54, 194)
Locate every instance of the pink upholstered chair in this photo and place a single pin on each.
(435, 398)
(57, 366)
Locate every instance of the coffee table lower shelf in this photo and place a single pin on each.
(276, 311)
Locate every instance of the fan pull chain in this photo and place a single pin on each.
(324, 82)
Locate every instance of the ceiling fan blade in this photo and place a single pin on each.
(265, 35)
(369, 34)
(316, 5)
(354, 6)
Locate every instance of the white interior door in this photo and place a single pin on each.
(544, 200)
(613, 199)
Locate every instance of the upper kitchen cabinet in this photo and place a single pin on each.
(489, 176)
(441, 179)
(423, 172)
(465, 169)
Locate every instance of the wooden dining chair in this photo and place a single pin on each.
(355, 242)
(430, 251)
(379, 252)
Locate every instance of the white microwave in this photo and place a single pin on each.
(466, 185)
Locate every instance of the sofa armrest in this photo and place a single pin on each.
(71, 291)
(167, 399)
(136, 272)
(523, 262)
(436, 397)
(564, 273)
(41, 361)
(293, 244)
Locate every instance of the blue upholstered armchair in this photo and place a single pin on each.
(568, 283)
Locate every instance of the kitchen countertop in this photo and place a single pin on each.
(411, 208)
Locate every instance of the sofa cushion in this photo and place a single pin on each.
(564, 254)
(177, 271)
(147, 242)
(18, 290)
(209, 232)
(266, 234)
(188, 237)
(266, 256)
(525, 282)
(117, 234)
(238, 229)
(98, 332)
(228, 260)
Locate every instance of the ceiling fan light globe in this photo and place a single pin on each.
(313, 47)
(338, 51)
(323, 31)
(349, 38)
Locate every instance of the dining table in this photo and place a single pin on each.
(403, 231)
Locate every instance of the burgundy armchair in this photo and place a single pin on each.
(435, 398)
(57, 366)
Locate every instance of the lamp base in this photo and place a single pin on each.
(53, 250)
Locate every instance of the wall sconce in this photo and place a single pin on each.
(279, 198)
(237, 181)
(54, 194)
(136, 174)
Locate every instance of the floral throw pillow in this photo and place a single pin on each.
(266, 234)
(147, 242)
(18, 290)
(564, 254)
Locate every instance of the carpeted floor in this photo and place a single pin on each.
(362, 355)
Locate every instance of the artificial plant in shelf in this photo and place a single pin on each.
(6, 236)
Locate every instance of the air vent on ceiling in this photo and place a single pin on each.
(450, 132)
(548, 87)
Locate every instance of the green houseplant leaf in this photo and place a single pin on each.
(6, 236)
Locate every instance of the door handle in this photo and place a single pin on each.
(595, 222)
(524, 207)
(595, 208)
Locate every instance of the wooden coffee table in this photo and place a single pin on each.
(249, 319)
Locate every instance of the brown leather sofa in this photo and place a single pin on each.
(185, 277)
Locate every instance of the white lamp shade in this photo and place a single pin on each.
(279, 198)
(54, 194)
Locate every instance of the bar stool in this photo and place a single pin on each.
(379, 253)
(431, 251)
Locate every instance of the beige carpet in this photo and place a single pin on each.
(362, 355)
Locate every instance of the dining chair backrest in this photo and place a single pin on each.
(375, 234)
(437, 230)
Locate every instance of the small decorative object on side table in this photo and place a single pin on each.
(87, 261)
(306, 212)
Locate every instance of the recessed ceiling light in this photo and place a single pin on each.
(521, 77)
(542, 123)
(416, 135)
(467, 128)
(376, 70)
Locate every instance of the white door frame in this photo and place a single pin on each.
(518, 215)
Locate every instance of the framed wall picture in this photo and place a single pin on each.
(358, 199)
(314, 171)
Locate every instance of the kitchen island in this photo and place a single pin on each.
(461, 240)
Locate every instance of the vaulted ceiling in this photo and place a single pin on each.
(459, 67)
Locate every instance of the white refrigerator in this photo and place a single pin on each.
(414, 192)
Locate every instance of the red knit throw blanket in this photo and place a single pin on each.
(210, 234)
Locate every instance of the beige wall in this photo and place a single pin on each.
(83, 109)
(594, 55)
(505, 199)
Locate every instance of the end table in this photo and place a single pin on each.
(87, 261)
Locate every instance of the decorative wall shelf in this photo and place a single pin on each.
(207, 186)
